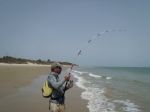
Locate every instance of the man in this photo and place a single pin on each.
(57, 100)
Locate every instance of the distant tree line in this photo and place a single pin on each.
(10, 59)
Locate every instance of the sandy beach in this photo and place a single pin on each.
(14, 76)
(20, 90)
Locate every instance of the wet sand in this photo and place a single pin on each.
(20, 90)
(15, 76)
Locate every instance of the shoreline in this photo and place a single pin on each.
(78, 104)
(14, 64)
(30, 65)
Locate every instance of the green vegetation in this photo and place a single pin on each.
(9, 59)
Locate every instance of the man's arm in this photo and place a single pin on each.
(66, 86)
(52, 81)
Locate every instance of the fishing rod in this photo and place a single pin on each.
(97, 36)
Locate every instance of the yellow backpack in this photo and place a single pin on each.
(46, 90)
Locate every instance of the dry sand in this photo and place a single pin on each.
(20, 90)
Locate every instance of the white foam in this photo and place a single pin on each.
(128, 106)
(97, 101)
(80, 82)
(79, 72)
(95, 76)
(108, 78)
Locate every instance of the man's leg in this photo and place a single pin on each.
(61, 108)
(57, 107)
(54, 107)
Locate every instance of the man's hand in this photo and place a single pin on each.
(67, 77)
(69, 84)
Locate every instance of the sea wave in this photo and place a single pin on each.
(108, 78)
(79, 72)
(97, 101)
(128, 106)
(95, 76)
(80, 81)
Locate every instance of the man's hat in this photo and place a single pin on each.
(56, 64)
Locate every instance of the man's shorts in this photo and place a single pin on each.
(57, 107)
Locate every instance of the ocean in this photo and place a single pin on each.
(114, 89)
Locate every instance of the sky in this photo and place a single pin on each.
(58, 29)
